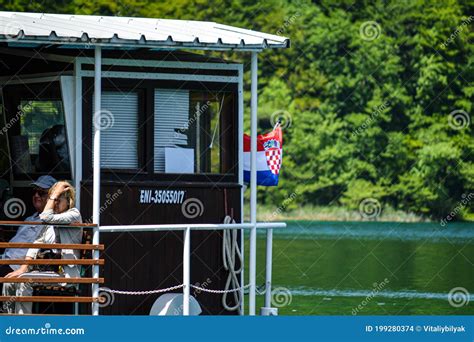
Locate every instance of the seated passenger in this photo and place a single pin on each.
(28, 233)
(53, 151)
(59, 209)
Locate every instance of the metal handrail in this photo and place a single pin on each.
(195, 226)
(186, 228)
(269, 226)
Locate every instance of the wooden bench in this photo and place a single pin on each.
(48, 289)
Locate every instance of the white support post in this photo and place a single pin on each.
(186, 270)
(268, 269)
(253, 186)
(78, 131)
(96, 183)
(241, 182)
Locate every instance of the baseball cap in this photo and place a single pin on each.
(44, 182)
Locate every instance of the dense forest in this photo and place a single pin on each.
(375, 97)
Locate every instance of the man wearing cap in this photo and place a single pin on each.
(26, 233)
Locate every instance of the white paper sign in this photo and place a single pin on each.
(179, 160)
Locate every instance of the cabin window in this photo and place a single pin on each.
(172, 113)
(164, 131)
(119, 130)
(191, 131)
(41, 145)
(35, 122)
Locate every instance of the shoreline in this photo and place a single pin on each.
(334, 214)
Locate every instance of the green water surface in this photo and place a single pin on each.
(370, 268)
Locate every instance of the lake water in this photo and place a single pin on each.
(371, 268)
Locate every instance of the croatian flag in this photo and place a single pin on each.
(269, 157)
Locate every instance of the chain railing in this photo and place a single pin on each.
(268, 226)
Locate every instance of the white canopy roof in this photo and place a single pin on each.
(20, 28)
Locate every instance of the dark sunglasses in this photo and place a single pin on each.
(40, 192)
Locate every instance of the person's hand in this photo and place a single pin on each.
(16, 273)
(60, 189)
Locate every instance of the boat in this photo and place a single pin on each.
(147, 122)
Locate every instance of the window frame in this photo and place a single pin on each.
(38, 91)
(146, 136)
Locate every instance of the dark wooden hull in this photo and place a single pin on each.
(137, 261)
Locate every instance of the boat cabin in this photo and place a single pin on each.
(148, 126)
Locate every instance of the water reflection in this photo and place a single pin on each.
(331, 267)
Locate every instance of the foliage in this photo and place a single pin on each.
(370, 110)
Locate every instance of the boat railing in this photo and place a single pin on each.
(187, 228)
(95, 261)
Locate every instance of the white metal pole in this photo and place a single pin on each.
(241, 182)
(268, 269)
(186, 270)
(253, 185)
(242, 274)
(96, 183)
(78, 131)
